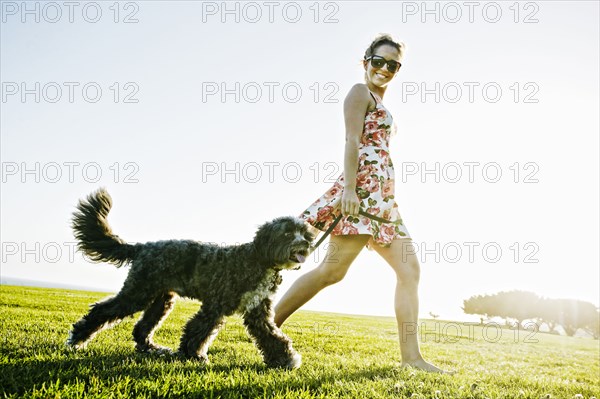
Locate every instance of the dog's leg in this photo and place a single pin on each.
(199, 333)
(153, 316)
(102, 315)
(274, 345)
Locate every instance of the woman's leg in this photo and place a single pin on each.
(341, 252)
(400, 255)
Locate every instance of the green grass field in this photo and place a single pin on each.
(343, 357)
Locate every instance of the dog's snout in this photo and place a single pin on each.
(304, 243)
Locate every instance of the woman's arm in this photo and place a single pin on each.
(355, 108)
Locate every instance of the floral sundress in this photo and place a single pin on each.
(374, 186)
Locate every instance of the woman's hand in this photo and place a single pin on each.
(350, 203)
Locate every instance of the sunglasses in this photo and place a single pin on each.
(378, 62)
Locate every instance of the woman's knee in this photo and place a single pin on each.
(341, 252)
(331, 274)
(409, 272)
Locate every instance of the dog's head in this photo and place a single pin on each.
(283, 243)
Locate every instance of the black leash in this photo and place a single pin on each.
(339, 217)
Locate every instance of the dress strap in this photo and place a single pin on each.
(374, 97)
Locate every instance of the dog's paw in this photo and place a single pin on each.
(162, 351)
(289, 363)
(154, 349)
(202, 359)
(70, 347)
(295, 361)
(72, 344)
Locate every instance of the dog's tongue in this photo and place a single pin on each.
(300, 258)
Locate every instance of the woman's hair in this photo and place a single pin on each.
(380, 40)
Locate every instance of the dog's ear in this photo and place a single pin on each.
(271, 240)
(264, 242)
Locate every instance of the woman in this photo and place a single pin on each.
(367, 183)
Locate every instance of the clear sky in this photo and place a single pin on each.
(204, 122)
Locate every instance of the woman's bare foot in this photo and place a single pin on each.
(421, 364)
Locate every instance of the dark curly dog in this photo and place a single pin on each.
(227, 279)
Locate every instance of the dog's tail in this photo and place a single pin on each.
(93, 233)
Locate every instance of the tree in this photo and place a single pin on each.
(549, 313)
(517, 305)
(574, 314)
(479, 305)
(571, 314)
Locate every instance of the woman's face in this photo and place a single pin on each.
(381, 76)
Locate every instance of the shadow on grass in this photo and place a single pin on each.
(196, 380)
